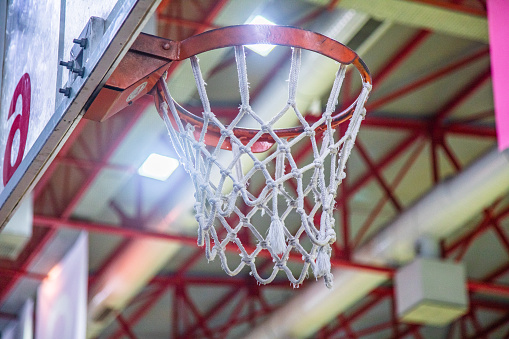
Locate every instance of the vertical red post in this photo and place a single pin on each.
(499, 50)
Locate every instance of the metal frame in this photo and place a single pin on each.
(150, 56)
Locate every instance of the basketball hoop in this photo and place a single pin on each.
(282, 216)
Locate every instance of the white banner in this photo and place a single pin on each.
(62, 296)
(30, 64)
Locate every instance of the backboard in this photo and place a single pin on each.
(42, 101)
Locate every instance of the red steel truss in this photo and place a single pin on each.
(244, 302)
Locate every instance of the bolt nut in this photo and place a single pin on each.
(65, 91)
(81, 42)
(79, 71)
(166, 46)
(68, 64)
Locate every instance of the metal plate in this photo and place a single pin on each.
(35, 120)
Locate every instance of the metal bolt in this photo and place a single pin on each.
(80, 71)
(166, 46)
(68, 64)
(65, 91)
(81, 42)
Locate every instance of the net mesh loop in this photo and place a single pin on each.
(226, 206)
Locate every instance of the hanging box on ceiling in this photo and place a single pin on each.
(431, 292)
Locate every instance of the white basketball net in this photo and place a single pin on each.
(236, 209)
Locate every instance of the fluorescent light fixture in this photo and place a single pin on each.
(158, 167)
(262, 49)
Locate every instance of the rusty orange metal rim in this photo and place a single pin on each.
(261, 34)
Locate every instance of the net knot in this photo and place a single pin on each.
(244, 220)
(307, 259)
(226, 133)
(283, 149)
(237, 187)
(271, 184)
(280, 265)
(318, 163)
(258, 165)
(198, 146)
(265, 128)
(332, 234)
(208, 114)
(199, 217)
(292, 242)
(231, 236)
(246, 259)
(244, 107)
(309, 131)
(296, 173)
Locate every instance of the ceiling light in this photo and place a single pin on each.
(158, 167)
(262, 49)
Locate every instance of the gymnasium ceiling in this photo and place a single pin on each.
(430, 115)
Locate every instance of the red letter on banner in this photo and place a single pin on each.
(20, 123)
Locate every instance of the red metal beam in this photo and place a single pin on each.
(223, 280)
(471, 130)
(481, 227)
(435, 166)
(385, 161)
(501, 235)
(497, 273)
(136, 233)
(492, 327)
(489, 305)
(401, 56)
(93, 165)
(356, 314)
(140, 312)
(8, 316)
(198, 316)
(213, 311)
(487, 288)
(73, 203)
(373, 329)
(378, 208)
(464, 94)
(125, 327)
(381, 181)
(413, 125)
(34, 249)
(110, 229)
(453, 7)
(63, 151)
(426, 80)
(450, 154)
(21, 273)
